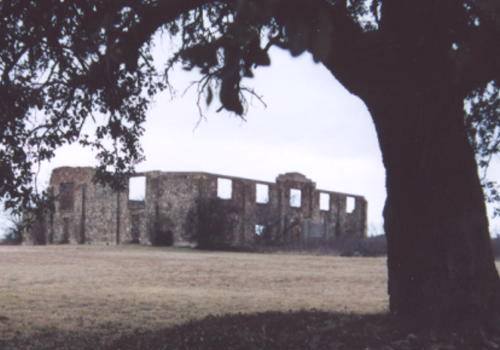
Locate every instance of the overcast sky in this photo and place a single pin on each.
(311, 125)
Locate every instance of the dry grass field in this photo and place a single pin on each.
(111, 291)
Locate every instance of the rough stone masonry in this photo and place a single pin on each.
(177, 208)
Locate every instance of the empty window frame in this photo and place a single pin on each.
(261, 193)
(350, 204)
(66, 195)
(224, 188)
(137, 188)
(295, 198)
(324, 201)
(259, 230)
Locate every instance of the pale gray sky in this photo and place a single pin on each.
(311, 125)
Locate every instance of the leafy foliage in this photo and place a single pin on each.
(14, 231)
(214, 228)
(57, 73)
(483, 121)
(82, 71)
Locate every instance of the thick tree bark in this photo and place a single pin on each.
(440, 260)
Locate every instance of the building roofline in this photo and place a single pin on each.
(161, 172)
(205, 173)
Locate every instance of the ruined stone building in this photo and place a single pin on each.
(179, 208)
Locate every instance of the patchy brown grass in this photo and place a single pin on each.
(133, 297)
(106, 292)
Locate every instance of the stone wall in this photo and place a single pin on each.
(170, 200)
(85, 212)
(178, 207)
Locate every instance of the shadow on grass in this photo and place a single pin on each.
(311, 330)
(269, 330)
(304, 330)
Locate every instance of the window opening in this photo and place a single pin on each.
(224, 188)
(262, 193)
(137, 188)
(295, 198)
(66, 195)
(350, 204)
(324, 201)
(259, 230)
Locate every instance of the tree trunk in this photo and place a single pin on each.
(440, 260)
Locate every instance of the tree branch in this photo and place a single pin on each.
(477, 59)
(337, 41)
